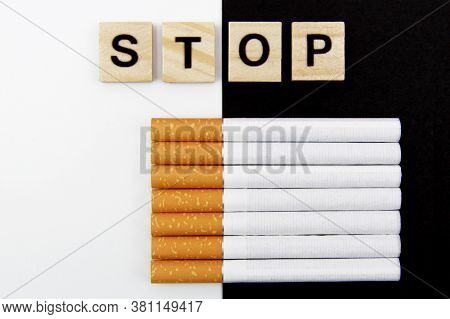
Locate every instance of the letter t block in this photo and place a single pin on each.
(188, 52)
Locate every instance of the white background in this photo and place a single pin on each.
(70, 150)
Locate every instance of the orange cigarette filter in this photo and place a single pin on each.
(176, 176)
(187, 224)
(186, 130)
(186, 153)
(186, 271)
(187, 247)
(187, 201)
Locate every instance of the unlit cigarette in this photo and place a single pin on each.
(311, 176)
(275, 270)
(272, 247)
(228, 153)
(274, 200)
(277, 130)
(277, 223)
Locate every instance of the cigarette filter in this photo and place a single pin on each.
(176, 176)
(187, 224)
(258, 176)
(276, 247)
(277, 223)
(186, 271)
(274, 200)
(277, 130)
(187, 200)
(186, 153)
(275, 270)
(186, 130)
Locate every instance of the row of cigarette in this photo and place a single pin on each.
(259, 200)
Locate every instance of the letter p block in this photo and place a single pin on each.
(318, 51)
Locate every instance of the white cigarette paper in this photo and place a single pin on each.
(310, 270)
(311, 176)
(311, 153)
(311, 130)
(313, 223)
(333, 246)
(294, 200)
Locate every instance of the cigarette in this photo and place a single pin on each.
(237, 153)
(277, 223)
(274, 200)
(251, 176)
(277, 130)
(275, 270)
(276, 247)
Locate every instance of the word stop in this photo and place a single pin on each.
(254, 51)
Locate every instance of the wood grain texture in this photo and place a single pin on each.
(203, 66)
(270, 71)
(139, 72)
(329, 66)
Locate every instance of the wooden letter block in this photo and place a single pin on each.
(188, 52)
(318, 51)
(254, 52)
(125, 51)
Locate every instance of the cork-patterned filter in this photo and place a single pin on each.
(186, 153)
(187, 200)
(176, 176)
(188, 247)
(187, 224)
(186, 130)
(186, 271)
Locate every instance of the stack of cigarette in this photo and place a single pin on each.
(275, 200)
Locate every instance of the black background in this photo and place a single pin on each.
(408, 77)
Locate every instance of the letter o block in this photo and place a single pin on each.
(318, 51)
(188, 52)
(254, 52)
(125, 51)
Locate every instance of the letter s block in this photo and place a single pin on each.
(254, 52)
(125, 51)
(318, 51)
(188, 52)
